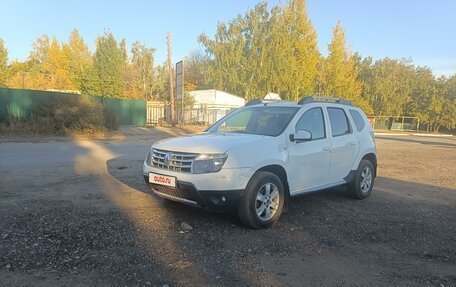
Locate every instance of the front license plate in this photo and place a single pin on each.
(162, 179)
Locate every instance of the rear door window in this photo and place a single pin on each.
(358, 119)
(339, 122)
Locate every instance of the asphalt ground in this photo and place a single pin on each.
(74, 212)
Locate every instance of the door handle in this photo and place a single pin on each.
(352, 143)
(325, 148)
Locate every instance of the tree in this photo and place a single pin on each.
(448, 113)
(143, 68)
(161, 83)
(427, 98)
(3, 63)
(109, 65)
(340, 73)
(80, 58)
(265, 51)
(195, 71)
(304, 56)
(387, 85)
(46, 68)
(40, 49)
(57, 64)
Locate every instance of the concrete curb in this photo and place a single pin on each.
(418, 135)
(431, 135)
(391, 134)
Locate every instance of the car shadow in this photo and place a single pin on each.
(122, 169)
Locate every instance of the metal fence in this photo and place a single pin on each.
(202, 115)
(159, 113)
(395, 123)
(155, 114)
(22, 103)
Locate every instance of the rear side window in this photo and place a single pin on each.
(312, 121)
(339, 122)
(358, 119)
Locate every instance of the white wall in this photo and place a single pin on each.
(216, 98)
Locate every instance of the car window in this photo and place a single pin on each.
(313, 122)
(339, 122)
(237, 123)
(268, 121)
(358, 119)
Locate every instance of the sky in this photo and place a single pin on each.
(424, 31)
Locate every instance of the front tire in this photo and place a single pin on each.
(263, 200)
(363, 183)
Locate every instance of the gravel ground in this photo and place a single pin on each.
(75, 213)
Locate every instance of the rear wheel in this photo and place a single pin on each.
(263, 200)
(363, 183)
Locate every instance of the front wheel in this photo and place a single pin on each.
(363, 183)
(263, 200)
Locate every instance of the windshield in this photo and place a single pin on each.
(268, 121)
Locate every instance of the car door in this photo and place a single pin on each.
(344, 143)
(309, 161)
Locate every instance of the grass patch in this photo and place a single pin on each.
(63, 116)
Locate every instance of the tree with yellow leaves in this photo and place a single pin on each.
(339, 72)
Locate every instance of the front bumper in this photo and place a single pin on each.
(225, 179)
(218, 191)
(187, 193)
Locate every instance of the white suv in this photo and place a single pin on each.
(258, 156)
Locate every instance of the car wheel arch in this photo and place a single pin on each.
(372, 157)
(279, 171)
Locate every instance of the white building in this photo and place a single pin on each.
(215, 98)
(212, 105)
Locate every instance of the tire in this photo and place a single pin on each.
(363, 183)
(262, 202)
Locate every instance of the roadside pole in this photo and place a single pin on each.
(171, 83)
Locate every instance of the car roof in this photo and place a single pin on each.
(275, 104)
(304, 101)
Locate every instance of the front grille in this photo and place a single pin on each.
(179, 191)
(172, 160)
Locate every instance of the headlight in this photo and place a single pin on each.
(149, 158)
(206, 163)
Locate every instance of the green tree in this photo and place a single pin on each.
(428, 99)
(161, 83)
(387, 85)
(448, 114)
(227, 70)
(265, 51)
(3, 63)
(109, 65)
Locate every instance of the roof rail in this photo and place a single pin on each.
(314, 99)
(261, 101)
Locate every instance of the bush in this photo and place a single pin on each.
(65, 115)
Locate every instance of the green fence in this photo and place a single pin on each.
(21, 104)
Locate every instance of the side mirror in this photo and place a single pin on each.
(300, 136)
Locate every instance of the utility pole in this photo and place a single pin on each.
(171, 83)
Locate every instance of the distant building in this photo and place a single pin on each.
(211, 105)
(216, 99)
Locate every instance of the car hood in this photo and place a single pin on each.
(207, 142)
